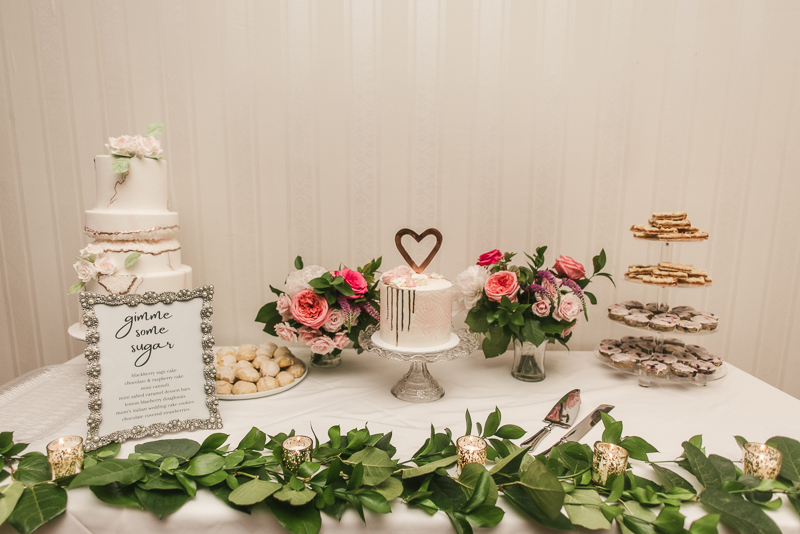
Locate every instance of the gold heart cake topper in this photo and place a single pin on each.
(398, 237)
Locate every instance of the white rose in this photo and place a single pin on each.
(132, 145)
(298, 280)
(152, 147)
(435, 276)
(469, 288)
(118, 145)
(91, 248)
(105, 265)
(86, 271)
(419, 279)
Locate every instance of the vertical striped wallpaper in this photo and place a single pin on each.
(321, 127)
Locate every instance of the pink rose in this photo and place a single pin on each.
(568, 331)
(397, 272)
(568, 309)
(85, 270)
(490, 258)
(566, 266)
(322, 345)
(541, 308)
(356, 281)
(150, 147)
(118, 145)
(574, 396)
(309, 309)
(340, 340)
(502, 284)
(335, 321)
(551, 289)
(284, 303)
(105, 265)
(286, 332)
(307, 335)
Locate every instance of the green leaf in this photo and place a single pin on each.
(670, 520)
(76, 287)
(131, 258)
(790, 448)
(6, 441)
(510, 432)
(636, 525)
(584, 509)
(478, 486)
(120, 165)
(374, 501)
(106, 451)
(546, 490)
(617, 485)
(356, 478)
(496, 341)
(510, 464)
(391, 488)
(430, 467)
(115, 470)
(741, 441)
(170, 464)
(252, 492)
(705, 525)
(36, 506)
(335, 436)
(377, 465)
(612, 432)
(293, 497)
(724, 467)
(189, 484)
(11, 494)
(213, 479)
(233, 459)
(637, 448)
(520, 497)
(298, 263)
(117, 495)
(476, 320)
(469, 424)
(205, 464)
(162, 482)
(182, 449)
(669, 479)
(33, 468)
(739, 514)
(701, 467)
(161, 503)
(156, 128)
(297, 519)
(492, 422)
(255, 440)
(485, 516)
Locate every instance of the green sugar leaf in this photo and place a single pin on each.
(131, 258)
(76, 287)
(120, 165)
(156, 128)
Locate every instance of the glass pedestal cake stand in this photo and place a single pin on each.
(417, 385)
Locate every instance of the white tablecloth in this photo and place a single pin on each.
(358, 392)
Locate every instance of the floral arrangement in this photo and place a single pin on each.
(91, 265)
(125, 147)
(526, 303)
(324, 309)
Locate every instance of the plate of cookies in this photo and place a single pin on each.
(662, 318)
(251, 371)
(668, 226)
(668, 274)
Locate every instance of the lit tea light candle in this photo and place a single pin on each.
(761, 460)
(296, 450)
(65, 456)
(608, 459)
(471, 450)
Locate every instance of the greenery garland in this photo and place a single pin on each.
(356, 470)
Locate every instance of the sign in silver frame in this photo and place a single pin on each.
(141, 305)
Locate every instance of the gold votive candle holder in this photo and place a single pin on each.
(608, 459)
(761, 460)
(296, 450)
(65, 456)
(471, 450)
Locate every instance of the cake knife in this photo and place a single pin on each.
(582, 428)
(563, 414)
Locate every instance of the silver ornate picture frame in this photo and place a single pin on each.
(190, 379)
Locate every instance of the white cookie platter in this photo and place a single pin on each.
(260, 394)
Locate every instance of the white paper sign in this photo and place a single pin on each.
(150, 364)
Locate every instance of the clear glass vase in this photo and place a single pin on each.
(332, 359)
(529, 361)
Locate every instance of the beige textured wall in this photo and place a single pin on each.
(320, 127)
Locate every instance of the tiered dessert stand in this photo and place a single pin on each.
(417, 385)
(662, 298)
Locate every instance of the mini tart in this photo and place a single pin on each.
(629, 339)
(667, 359)
(654, 368)
(618, 314)
(689, 326)
(662, 324)
(707, 323)
(683, 370)
(646, 346)
(704, 368)
(674, 341)
(632, 304)
(707, 314)
(678, 309)
(673, 349)
(640, 355)
(610, 342)
(686, 358)
(608, 350)
(623, 361)
(716, 361)
(696, 349)
(637, 320)
(628, 347)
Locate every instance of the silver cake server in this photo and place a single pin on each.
(563, 414)
(582, 428)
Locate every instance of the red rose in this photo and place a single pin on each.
(566, 266)
(490, 258)
(356, 281)
(309, 309)
(502, 284)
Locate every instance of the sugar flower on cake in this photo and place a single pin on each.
(323, 309)
(125, 147)
(93, 265)
(530, 303)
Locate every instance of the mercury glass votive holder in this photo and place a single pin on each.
(471, 450)
(761, 460)
(65, 456)
(608, 459)
(296, 450)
